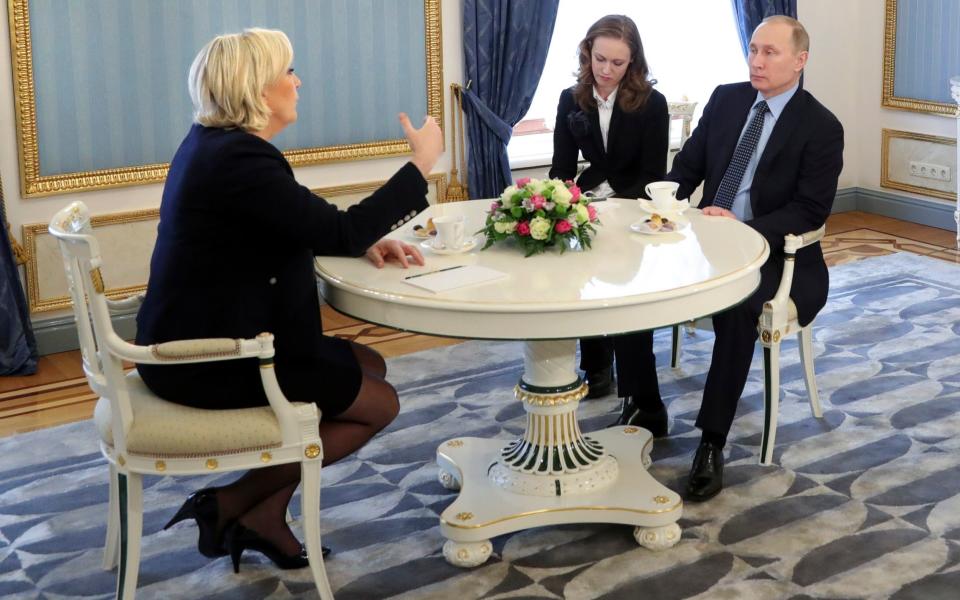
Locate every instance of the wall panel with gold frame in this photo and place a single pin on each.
(899, 148)
(100, 86)
(126, 242)
(921, 52)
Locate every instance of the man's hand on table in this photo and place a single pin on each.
(716, 211)
(386, 251)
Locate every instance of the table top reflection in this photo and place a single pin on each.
(626, 282)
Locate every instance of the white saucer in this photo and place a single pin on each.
(644, 227)
(678, 206)
(468, 245)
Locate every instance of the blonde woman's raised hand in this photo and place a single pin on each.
(426, 142)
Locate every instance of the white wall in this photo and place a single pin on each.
(39, 210)
(845, 72)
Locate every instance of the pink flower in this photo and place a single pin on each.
(563, 226)
(537, 202)
(575, 192)
(522, 182)
(523, 228)
(569, 182)
(592, 212)
(494, 206)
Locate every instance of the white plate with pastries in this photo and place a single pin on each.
(657, 224)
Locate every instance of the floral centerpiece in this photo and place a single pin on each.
(541, 214)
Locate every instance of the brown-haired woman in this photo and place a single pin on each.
(620, 124)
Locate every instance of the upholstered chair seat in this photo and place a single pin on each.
(166, 429)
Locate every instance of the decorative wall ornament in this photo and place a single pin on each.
(910, 25)
(109, 107)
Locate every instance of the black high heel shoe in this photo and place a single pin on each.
(201, 506)
(238, 538)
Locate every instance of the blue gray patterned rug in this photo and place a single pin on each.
(865, 503)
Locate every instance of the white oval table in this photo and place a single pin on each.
(627, 282)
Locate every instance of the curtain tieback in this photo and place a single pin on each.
(494, 123)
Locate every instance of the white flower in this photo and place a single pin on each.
(506, 198)
(505, 226)
(561, 195)
(539, 228)
(537, 186)
(583, 215)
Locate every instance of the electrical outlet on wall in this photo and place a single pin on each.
(930, 171)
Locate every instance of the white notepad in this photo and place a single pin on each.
(452, 278)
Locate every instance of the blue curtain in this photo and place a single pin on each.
(749, 13)
(18, 349)
(505, 46)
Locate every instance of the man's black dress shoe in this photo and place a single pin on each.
(706, 474)
(600, 382)
(654, 422)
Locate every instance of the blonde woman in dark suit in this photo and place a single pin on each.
(234, 257)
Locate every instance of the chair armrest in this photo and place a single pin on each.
(193, 351)
(791, 243)
(127, 304)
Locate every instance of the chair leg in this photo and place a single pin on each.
(675, 353)
(130, 500)
(112, 542)
(771, 401)
(310, 509)
(806, 359)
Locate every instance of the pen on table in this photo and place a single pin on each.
(432, 272)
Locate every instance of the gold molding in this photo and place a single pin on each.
(885, 181)
(888, 100)
(439, 180)
(30, 232)
(33, 184)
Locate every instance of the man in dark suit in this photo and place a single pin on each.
(769, 155)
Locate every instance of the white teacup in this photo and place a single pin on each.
(450, 231)
(663, 194)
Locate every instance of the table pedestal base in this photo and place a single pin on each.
(485, 510)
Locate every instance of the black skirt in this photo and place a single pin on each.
(330, 379)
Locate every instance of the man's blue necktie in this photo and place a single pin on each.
(730, 183)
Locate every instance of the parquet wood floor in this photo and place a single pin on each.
(58, 392)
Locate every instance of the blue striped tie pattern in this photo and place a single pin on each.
(741, 157)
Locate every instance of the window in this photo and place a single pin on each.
(691, 47)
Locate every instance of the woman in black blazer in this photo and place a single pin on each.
(620, 124)
(234, 257)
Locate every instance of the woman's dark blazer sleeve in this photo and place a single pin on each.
(566, 150)
(263, 190)
(649, 131)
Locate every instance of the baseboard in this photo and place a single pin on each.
(845, 200)
(59, 334)
(914, 210)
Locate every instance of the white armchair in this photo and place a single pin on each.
(144, 434)
(778, 319)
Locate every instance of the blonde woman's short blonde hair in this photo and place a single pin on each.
(229, 74)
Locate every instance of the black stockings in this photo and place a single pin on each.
(260, 497)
